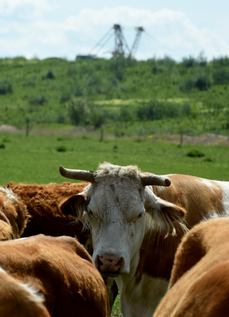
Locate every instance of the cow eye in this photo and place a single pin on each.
(140, 215)
(90, 213)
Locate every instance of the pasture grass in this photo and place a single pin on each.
(36, 159)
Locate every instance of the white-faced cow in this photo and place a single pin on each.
(60, 269)
(135, 233)
(199, 284)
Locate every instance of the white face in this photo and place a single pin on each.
(116, 216)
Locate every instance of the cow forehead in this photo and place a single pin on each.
(122, 194)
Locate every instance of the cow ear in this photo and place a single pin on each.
(172, 210)
(172, 217)
(73, 206)
(167, 217)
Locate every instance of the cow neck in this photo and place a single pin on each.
(157, 254)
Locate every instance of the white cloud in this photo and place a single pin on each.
(172, 33)
(24, 9)
(167, 32)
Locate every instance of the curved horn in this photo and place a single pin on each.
(77, 174)
(152, 179)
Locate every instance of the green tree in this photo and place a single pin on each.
(78, 111)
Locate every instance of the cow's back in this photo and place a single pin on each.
(18, 299)
(198, 196)
(199, 284)
(63, 272)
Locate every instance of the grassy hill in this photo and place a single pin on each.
(124, 96)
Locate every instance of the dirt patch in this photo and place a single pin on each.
(9, 129)
(204, 139)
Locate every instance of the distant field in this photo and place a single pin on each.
(36, 158)
(128, 96)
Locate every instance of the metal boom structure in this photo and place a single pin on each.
(136, 41)
(120, 41)
(120, 44)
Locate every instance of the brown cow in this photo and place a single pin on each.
(42, 203)
(13, 215)
(136, 229)
(18, 299)
(60, 269)
(199, 284)
(199, 195)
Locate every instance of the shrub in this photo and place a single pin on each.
(125, 114)
(65, 97)
(221, 61)
(195, 153)
(188, 62)
(49, 75)
(78, 90)
(97, 118)
(208, 159)
(188, 84)
(93, 84)
(166, 61)
(6, 139)
(221, 76)
(61, 118)
(78, 111)
(156, 110)
(118, 65)
(186, 109)
(203, 82)
(38, 100)
(29, 84)
(61, 148)
(2, 146)
(5, 87)
(150, 111)
(72, 70)
(201, 59)
(157, 69)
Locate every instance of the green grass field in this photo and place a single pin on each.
(36, 159)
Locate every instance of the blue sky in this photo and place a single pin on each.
(65, 28)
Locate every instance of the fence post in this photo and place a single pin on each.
(27, 126)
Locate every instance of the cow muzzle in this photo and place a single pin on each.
(109, 264)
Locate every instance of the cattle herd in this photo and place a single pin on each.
(159, 240)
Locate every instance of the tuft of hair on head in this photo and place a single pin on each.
(108, 169)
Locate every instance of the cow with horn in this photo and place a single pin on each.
(135, 233)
